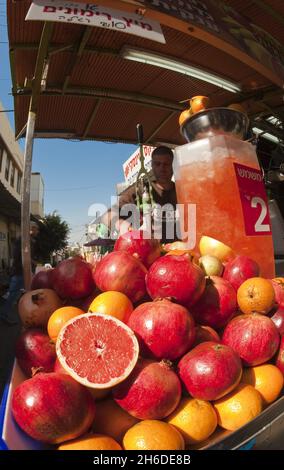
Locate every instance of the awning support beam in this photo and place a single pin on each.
(91, 119)
(78, 53)
(28, 154)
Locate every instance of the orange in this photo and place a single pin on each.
(153, 435)
(59, 318)
(239, 407)
(112, 420)
(195, 419)
(91, 442)
(256, 295)
(213, 247)
(198, 103)
(177, 252)
(112, 303)
(267, 379)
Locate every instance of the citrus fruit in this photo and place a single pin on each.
(267, 379)
(256, 295)
(153, 435)
(195, 419)
(213, 247)
(97, 350)
(238, 407)
(112, 420)
(112, 303)
(91, 442)
(59, 318)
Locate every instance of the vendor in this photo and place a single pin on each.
(164, 225)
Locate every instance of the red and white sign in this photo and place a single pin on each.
(89, 14)
(253, 199)
(132, 166)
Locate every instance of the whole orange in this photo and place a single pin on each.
(112, 303)
(256, 295)
(267, 379)
(59, 318)
(153, 435)
(195, 419)
(91, 442)
(238, 407)
(198, 103)
(112, 420)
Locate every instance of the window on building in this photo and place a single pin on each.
(12, 177)
(19, 182)
(7, 169)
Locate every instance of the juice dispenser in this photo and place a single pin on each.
(218, 173)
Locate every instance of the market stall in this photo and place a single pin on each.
(78, 75)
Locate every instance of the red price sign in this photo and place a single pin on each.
(253, 199)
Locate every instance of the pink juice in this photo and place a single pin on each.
(222, 177)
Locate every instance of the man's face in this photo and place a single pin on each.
(34, 230)
(162, 168)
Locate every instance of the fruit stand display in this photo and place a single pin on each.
(153, 347)
(194, 359)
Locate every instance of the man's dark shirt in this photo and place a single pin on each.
(161, 197)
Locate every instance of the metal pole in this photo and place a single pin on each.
(25, 208)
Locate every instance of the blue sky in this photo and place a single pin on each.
(76, 174)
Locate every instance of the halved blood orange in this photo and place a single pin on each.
(97, 350)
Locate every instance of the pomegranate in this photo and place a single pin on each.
(85, 302)
(58, 367)
(35, 351)
(42, 280)
(239, 269)
(210, 370)
(280, 356)
(254, 337)
(278, 320)
(175, 277)
(217, 304)
(121, 272)
(53, 408)
(205, 333)
(138, 243)
(152, 391)
(72, 279)
(164, 330)
(36, 306)
(278, 285)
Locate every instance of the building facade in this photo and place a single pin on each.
(11, 186)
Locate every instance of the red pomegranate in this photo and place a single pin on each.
(121, 272)
(217, 304)
(85, 302)
(164, 330)
(205, 333)
(280, 356)
(72, 279)
(278, 285)
(35, 352)
(254, 337)
(36, 306)
(239, 269)
(210, 370)
(152, 391)
(58, 367)
(53, 408)
(278, 320)
(175, 277)
(42, 280)
(139, 244)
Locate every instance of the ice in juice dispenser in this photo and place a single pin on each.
(220, 174)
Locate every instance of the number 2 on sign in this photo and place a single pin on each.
(259, 226)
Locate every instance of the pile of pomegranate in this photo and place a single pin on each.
(195, 337)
